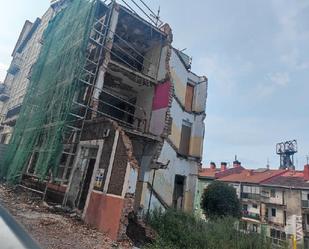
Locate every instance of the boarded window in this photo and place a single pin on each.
(184, 146)
(189, 98)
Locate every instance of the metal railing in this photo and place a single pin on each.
(247, 214)
(305, 203)
(250, 196)
(4, 92)
(277, 243)
(16, 64)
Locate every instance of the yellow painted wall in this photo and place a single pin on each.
(175, 135)
(196, 145)
(180, 87)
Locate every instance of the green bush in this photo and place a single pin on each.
(178, 230)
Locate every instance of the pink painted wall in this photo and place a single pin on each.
(159, 108)
(161, 96)
(104, 213)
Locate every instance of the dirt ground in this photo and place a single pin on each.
(49, 227)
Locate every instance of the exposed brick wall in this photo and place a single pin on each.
(95, 129)
(168, 77)
(128, 208)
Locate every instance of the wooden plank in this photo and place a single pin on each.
(184, 146)
(189, 98)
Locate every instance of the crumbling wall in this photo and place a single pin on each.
(174, 71)
(110, 206)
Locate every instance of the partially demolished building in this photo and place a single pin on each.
(112, 122)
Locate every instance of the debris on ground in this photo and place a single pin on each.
(50, 227)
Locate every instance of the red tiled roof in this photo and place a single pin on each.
(252, 176)
(208, 172)
(290, 179)
(218, 173)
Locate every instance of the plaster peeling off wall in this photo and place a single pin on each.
(163, 68)
(165, 178)
(159, 108)
(179, 77)
(200, 96)
(197, 135)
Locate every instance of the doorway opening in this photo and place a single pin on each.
(179, 188)
(87, 164)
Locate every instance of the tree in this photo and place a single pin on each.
(220, 199)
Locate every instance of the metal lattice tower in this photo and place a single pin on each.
(286, 151)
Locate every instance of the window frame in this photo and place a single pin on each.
(273, 212)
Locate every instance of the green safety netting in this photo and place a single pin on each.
(50, 93)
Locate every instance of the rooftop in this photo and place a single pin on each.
(290, 179)
(252, 176)
(208, 173)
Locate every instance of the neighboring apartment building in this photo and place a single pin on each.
(273, 201)
(286, 205)
(207, 176)
(247, 185)
(129, 137)
(13, 89)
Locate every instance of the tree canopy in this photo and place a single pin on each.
(219, 200)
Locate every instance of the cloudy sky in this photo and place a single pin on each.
(256, 56)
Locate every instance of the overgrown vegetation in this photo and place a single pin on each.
(220, 200)
(178, 230)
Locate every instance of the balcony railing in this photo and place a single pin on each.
(4, 93)
(16, 65)
(250, 196)
(13, 112)
(305, 203)
(247, 214)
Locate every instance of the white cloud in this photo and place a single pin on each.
(280, 78)
(294, 61)
(271, 84)
(223, 72)
(288, 14)
(292, 37)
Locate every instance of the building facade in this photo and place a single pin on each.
(274, 202)
(14, 87)
(121, 137)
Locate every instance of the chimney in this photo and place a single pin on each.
(236, 164)
(212, 165)
(223, 166)
(306, 172)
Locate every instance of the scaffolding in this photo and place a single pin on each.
(60, 96)
(46, 112)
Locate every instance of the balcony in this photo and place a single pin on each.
(305, 203)
(250, 215)
(16, 65)
(55, 3)
(4, 93)
(12, 114)
(250, 196)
